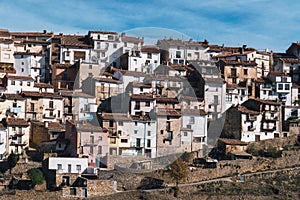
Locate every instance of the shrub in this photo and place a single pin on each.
(36, 176)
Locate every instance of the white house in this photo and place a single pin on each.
(3, 142)
(18, 134)
(193, 130)
(68, 165)
(146, 60)
(15, 84)
(29, 64)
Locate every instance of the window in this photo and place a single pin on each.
(28, 83)
(245, 71)
(78, 168)
(103, 54)
(90, 66)
(13, 82)
(178, 54)
(125, 44)
(92, 149)
(110, 37)
(50, 104)
(287, 86)
(22, 63)
(31, 106)
(100, 138)
(59, 167)
(147, 103)
(185, 133)
(135, 131)
(280, 86)
(112, 140)
(115, 46)
(149, 133)
(135, 123)
(73, 191)
(192, 120)
(21, 83)
(149, 55)
(6, 56)
(111, 123)
(189, 54)
(189, 126)
(22, 69)
(58, 114)
(91, 139)
(148, 143)
(124, 141)
(100, 150)
(265, 92)
(161, 131)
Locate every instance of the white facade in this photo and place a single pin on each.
(193, 130)
(146, 61)
(27, 64)
(68, 165)
(235, 95)
(3, 143)
(16, 84)
(142, 138)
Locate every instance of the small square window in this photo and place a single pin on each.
(185, 133)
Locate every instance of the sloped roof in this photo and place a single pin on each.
(232, 141)
(16, 122)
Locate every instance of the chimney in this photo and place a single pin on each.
(46, 124)
(44, 31)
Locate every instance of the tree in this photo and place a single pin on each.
(36, 176)
(179, 170)
(12, 160)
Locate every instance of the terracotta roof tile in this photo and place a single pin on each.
(6, 41)
(75, 41)
(41, 94)
(28, 78)
(43, 85)
(241, 62)
(168, 112)
(16, 122)
(107, 80)
(232, 141)
(35, 34)
(115, 116)
(193, 112)
(28, 53)
(142, 96)
(166, 100)
(13, 96)
(291, 60)
(87, 126)
(245, 110)
(72, 93)
(150, 49)
(131, 39)
(103, 32)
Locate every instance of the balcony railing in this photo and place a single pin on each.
(16, 143)
(136, 144)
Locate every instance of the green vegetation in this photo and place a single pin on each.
(271, 152)
(12, 160)
(36, 176)
(178, 170)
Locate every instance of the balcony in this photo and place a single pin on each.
(252, 118)
(251, 128)
(136, 144)
(15, 110)
(18, 133)
(18, 143)
(49, 117)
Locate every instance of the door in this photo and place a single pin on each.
(69, 168)
(84, 192)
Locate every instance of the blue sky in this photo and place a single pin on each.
(272, 24)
